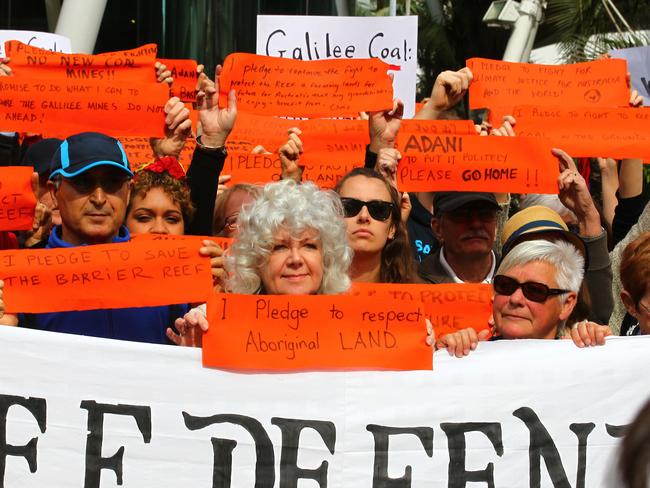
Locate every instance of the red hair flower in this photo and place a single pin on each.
(169, 164)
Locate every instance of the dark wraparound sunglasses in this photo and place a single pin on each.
(378, 209)
(532, 290)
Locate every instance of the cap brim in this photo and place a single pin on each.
(462, 200)
(67, 174)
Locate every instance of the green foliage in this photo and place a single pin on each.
(584, 27)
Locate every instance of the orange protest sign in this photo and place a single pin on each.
(134, 274)
(264, 168)
(589, 132)
(449, 307)
(60, 107)
(244, 167)
(223, 242)
(438, 127)
(295, 88)
(135, 65)
(139, 152)
(17, 201)
(472, 163)
(307, 332)
(258, 130)
(499, 85)
(185, 76)
(334, 141)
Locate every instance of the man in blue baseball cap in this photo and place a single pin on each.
(91, 183)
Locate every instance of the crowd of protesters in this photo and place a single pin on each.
(572, 265)
(294, 238)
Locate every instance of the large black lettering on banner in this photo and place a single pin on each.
(222, 470)
(542, 446)
(381, 434)
(290, 473)
(94, 460)
(38, 408)
(458, 475)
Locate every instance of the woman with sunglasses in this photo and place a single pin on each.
(375, 229)
(535, 291)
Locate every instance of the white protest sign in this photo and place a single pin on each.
(392, 39)
(44, 40)
(511, 413)
(638, 65)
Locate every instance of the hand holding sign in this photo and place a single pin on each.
(216, 122)
(384, 126)
(462, 342)
(290, 154)
(448, 89)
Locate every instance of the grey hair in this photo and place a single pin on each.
(296, 208)
(565, 258)
(551, 201)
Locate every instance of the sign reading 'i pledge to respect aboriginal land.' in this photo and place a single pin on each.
(300, 332)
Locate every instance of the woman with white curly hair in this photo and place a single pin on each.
(290, 241)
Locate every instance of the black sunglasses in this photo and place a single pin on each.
(532, 290)
(378, 209)
(87, 184)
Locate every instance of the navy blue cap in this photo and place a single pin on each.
(88, 150)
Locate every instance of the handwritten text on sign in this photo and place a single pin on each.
(499, 85)
(449, 307)
(183, 72)
(589, 132)
(135, 65)
(287, 87)
(44, 40)
(63, 107)
(265, 168)
(252, 130)
(134, 274)
(17, 201)
(276, 332)
(472, 163)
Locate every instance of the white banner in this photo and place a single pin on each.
(392, 39)
(91, 412)
(44, 40)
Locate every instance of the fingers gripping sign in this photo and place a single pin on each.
(190, 327)
(290, 154)
(461, 343)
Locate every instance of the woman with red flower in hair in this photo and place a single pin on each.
(160, 199)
